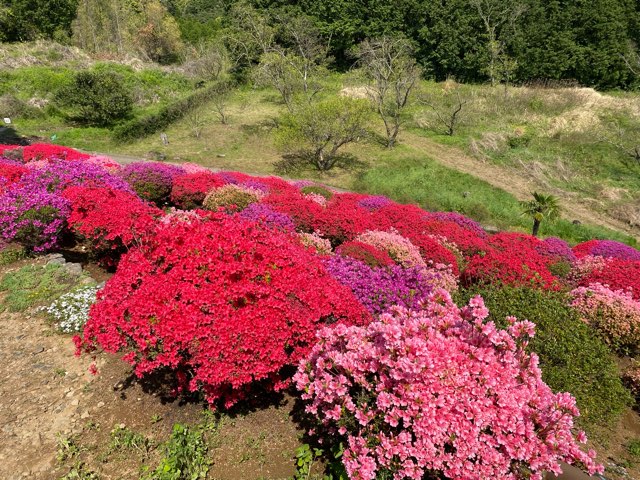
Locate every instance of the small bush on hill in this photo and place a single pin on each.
(572, 357)
(96, 98)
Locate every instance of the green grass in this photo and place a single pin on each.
(12, 254)
(436, 187)
(520, 122)
(34, 285)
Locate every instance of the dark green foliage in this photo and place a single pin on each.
(97, 98)
(572, 358)
(150, 124)
(318, 190)
(22, 20)
(556, 39)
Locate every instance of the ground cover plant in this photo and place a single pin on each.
(269, 276)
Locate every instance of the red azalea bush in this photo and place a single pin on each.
(516, 242)
(189, 190)
(302, 211)
(111, 220)
(342, 220)
(367, 254)
(617, 274)
(223, 301)
(439, 392)
(509, 268)
(10, 173)
(433, 251)
(44, 151)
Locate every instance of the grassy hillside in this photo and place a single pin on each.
(551, 140)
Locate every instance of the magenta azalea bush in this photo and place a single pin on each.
(152, 181)
(58, 175)
(262, 213)
(613, 313)
(32, 217)
(439, 391)
(381, 288)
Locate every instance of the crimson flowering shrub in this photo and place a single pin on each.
(607, 249)
(152, 181)
(509, 267)
(10, 173)
(225, 302)
(57, 175)
(301, 210)
(259, 212)
(32, 217)
(515, 242)
(7, 148)
(613, 313)
(439, 391)
(111, 220)
(363, 252)
(617, 274)
(342, 220)
(45, 151)
(380, 288)
(189, 190)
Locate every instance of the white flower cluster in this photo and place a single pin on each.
(71, 310)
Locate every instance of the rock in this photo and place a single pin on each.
(55, 259)
(75, 402)
(73, 268)
(220, 155)
(37, 350)
(84, 415)
(490, 229)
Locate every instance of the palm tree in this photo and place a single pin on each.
(540, 208)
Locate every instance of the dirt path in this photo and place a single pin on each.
(511, 181)
(44, 392)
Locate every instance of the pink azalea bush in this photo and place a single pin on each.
(614, 313)
(440, 391)
(398, 247)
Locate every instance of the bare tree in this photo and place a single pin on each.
(208, 60)
(499, 18)
(392, 72)
(632, 59)
(196, 122)
(220, 104)
(450, 114)
(251, 35)
(625, 139)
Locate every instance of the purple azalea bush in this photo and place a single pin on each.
(380, 288)
(152, 181)
(32, 216)
(260, 212)
(57, 175)
(613, 249)
(464, 222)
(556, 248)
(374, 202)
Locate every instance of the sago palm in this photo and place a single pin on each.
(542, 207)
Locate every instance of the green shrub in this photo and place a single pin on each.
(573, 359)
(35, 285)
(150, 124)
(98, 98)
(318, 190)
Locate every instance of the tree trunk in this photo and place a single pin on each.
(536, 227)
